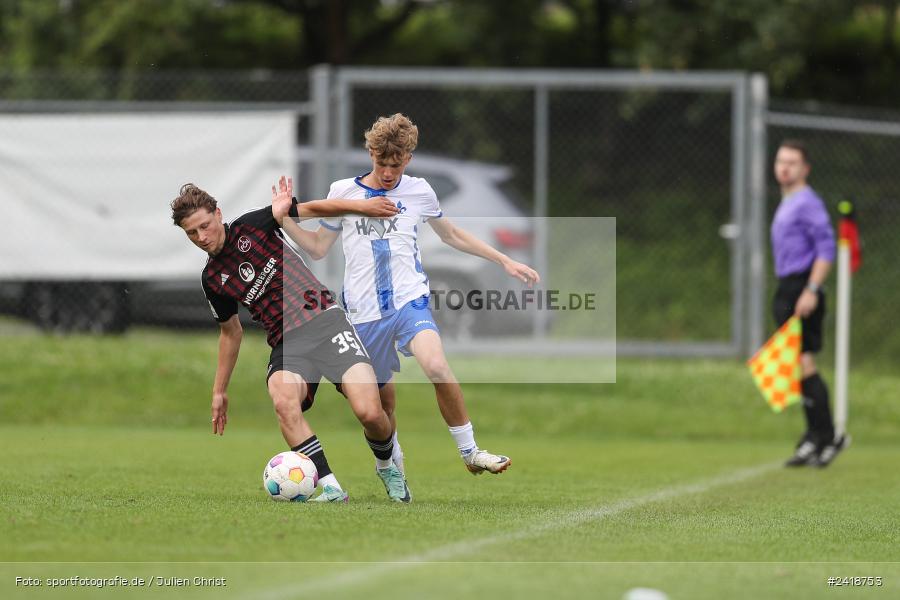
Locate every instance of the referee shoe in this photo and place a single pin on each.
(805, 454)
(830, 451)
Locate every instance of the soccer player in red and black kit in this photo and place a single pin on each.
(251, 264)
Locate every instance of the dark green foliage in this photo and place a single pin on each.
(837, 50)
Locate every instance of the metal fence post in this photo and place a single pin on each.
(541, 139)
(320, 93)
(738, 231)
(759, 91)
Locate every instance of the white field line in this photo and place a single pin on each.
(366, 571)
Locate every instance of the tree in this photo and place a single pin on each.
(832, 50)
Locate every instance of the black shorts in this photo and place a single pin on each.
(326, 346)
(789, 290)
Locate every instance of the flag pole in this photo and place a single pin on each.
(842, 339)
(848, 260)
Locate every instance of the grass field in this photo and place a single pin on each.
(668, 479)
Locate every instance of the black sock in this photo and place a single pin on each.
(382, 449)
(810, 414)
(313, 449)
(818, 415)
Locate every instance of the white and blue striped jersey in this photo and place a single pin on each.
(383, 268)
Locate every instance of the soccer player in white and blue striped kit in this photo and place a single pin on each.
(386, 290)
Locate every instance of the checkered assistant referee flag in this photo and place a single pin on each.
(776, 366)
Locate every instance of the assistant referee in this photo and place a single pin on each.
(804, 249)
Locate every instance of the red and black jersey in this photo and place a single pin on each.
(259, 269)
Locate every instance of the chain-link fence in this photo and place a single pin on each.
(38, 88)
(666, 155)
(80, 129)
(854, 157)
(657, 153)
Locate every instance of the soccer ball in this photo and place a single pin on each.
(290, 477)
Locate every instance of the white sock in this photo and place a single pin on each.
(464, 437)
(397, 454)
(383, 463)
(331, 480)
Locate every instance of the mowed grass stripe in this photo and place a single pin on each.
(455, 550)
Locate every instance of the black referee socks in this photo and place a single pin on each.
(818, 412)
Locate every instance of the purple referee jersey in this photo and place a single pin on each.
(801, 233)
(257, 268)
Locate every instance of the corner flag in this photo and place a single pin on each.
(776, 366)
(848, 233)
(849, 259)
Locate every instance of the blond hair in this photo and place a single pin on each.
(392, 137)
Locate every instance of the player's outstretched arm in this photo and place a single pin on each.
(230, 334)
(378, 207)
(462, 240)
(283, 201)
(315, 243)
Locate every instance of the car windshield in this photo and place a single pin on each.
(512, 193)
(443, 186)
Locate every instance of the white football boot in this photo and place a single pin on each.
(478, 461)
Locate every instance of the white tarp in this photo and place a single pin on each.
(86, 196)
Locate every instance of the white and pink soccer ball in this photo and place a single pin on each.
(290, 477)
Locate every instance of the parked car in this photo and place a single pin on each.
(475, 195)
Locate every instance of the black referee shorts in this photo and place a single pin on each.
(326, 346)
(786, 296)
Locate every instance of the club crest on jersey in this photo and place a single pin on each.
(379, 227)
(246, 271)
(244, 244)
